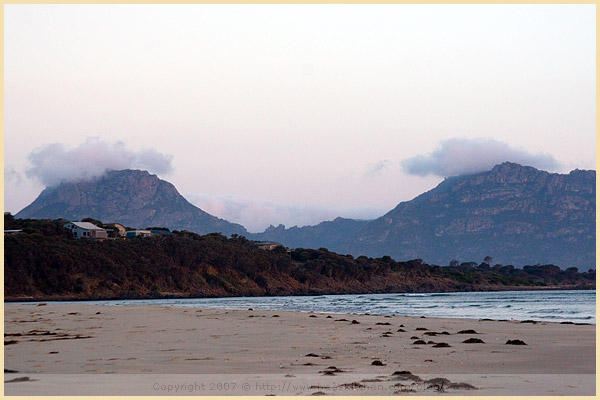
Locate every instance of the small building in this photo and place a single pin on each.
(118, 230)
(267, 245)
(86, 230)
(12, 231)
(138, 233)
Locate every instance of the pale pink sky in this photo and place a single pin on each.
(294, 113)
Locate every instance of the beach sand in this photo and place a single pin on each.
(77, 349)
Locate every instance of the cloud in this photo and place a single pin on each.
(257, 214)
(12, 175)
(378, 168)
(54, 163)
(458, 156)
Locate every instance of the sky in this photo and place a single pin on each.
(294, 114)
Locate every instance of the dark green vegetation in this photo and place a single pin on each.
(44, 262)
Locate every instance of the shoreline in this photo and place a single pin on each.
(273, 310)
(454, 305)
(101, 346)
(175, 296)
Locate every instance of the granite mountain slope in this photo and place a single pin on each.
(516, 214)
(131, 197)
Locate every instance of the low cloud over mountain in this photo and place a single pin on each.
(458, 156)
(54, 163)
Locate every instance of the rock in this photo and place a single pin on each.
(473, 340)
(402, 373)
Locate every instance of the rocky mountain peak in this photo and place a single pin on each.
(516, 214)
(134, 198)
(509, 172)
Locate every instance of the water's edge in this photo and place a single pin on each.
(577, 306)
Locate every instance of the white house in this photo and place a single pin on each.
(86, 230)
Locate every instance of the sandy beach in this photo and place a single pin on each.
(76, 349)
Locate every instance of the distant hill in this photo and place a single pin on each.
(131, 197)
(516, 214)
(331, 234)
(43, 261)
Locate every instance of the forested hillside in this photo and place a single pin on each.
(44, 262)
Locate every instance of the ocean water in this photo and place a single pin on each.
(541, 305)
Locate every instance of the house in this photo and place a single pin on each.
(267, 245)
(86, 230)
(12, 231)
(138, 232)
(118, 230)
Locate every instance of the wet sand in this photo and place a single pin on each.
(76, 349)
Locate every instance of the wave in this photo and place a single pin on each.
(574, 306)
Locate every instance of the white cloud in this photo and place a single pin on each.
(378, 168)
(458, 156)
(54, 163)
(12, 175)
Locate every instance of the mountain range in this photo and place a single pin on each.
(514, 214)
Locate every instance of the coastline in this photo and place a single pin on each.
(166, 296)
(102, 346)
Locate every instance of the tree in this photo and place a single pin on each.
(93, 221)
(488, 259)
